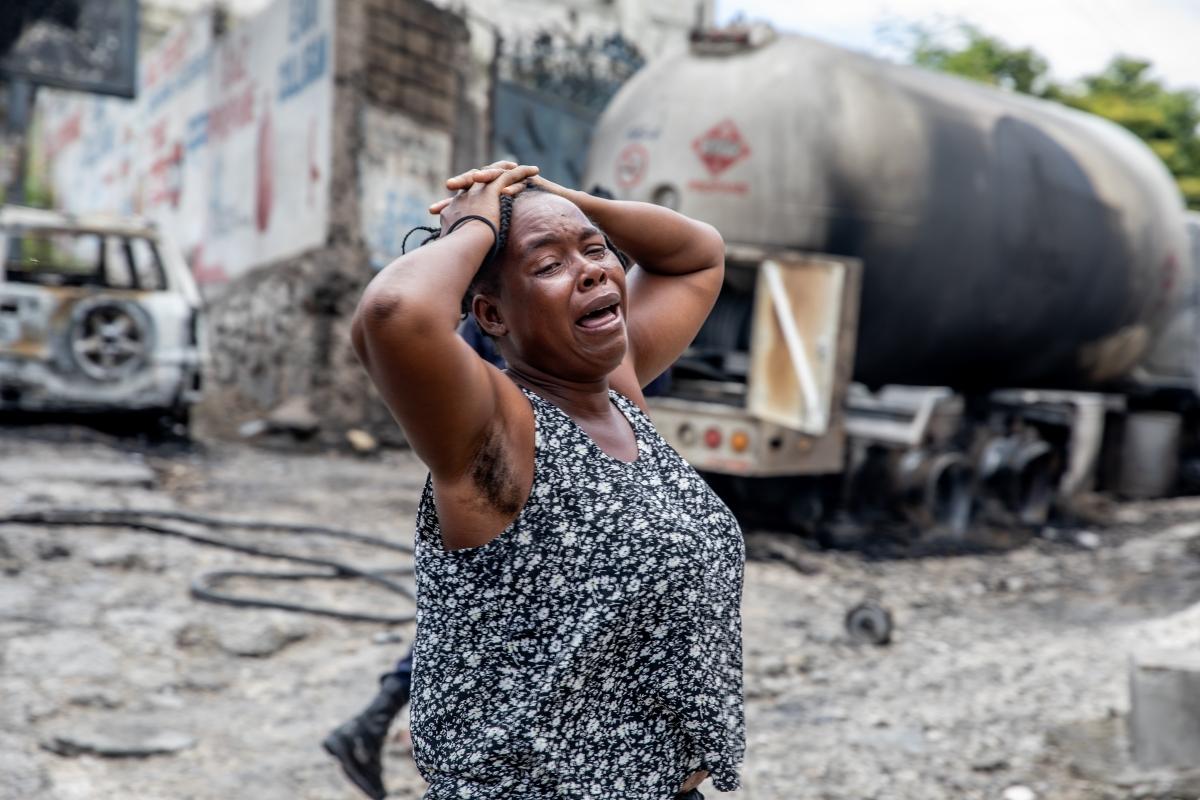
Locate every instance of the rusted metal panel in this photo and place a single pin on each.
(47, 220)
(779, 434)
(797, 315)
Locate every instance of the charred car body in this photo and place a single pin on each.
(942, 301)
(97, 314)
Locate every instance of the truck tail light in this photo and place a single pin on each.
(687, 435)
(712, 437)
(739, 441)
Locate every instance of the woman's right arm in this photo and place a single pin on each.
(405, 333)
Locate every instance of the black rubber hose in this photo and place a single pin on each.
(204, 586)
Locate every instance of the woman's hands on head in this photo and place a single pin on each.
(485, 175)
(545, 185)
(479, 191)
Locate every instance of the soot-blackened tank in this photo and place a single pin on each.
(1006, 241)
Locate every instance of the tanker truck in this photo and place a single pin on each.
(944, 302)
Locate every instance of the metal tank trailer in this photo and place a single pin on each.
(942, 299)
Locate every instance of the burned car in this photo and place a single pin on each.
(97, 314)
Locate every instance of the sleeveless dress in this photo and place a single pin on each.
(592, 649)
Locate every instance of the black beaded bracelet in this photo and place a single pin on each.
(485, 221)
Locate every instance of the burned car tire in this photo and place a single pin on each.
(869, 623)
(109, 338)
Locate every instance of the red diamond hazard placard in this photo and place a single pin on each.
(720, 147)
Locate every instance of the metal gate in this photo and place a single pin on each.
(548, 96)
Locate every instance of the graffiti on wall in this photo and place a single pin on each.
(227, 145)
(403, 167)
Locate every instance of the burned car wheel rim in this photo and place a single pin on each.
(110, 339)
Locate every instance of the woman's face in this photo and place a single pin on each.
(561, 303)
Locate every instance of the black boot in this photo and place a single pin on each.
(358, 744)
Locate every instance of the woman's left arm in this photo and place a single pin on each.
(680, 265)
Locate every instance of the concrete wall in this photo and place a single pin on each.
(283, 331)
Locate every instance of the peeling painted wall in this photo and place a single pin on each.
(403, 166)
(285, 330)
(227, 145)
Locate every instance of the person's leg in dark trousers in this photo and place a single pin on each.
(694, 794)
(402, 671)
(358, 743)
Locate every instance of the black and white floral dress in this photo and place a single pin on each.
(593, 649)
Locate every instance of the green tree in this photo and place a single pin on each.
(1168, 121)
(1125, 92)
(982, 58)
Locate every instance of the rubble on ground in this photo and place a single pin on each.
(115, 682)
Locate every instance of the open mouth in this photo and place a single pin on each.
(600, 317)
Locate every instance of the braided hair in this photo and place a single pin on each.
(486, 279)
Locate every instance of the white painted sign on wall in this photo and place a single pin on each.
(227, 145)
(403, 168)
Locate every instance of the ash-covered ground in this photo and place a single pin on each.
(116, 683)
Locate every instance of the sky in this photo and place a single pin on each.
(1077, 37)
